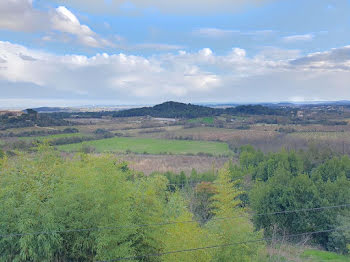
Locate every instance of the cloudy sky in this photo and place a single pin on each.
(109, 52)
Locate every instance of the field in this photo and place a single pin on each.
(212, 135)
(152, 146)
(204, 120)
(173, 163)
(291, 253)
(50, 137)
(318, 255)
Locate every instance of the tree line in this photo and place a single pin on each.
(94, 207)
(180, 110)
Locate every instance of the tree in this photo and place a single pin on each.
(44, 192)
(339, 240)
(284, 187)
(179, 236)
(237, 228)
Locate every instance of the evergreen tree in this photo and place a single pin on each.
(236, 227)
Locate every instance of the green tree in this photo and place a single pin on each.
(179, 236)
(238, 228)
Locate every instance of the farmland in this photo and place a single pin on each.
(152, 146)
(185, 164)
(50, 137)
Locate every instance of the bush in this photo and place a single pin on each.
(243, 127)
(87, 149)
(290, 181)
(339, 241)
(70, 130)
(103, 133)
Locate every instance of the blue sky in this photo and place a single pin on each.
(60, 52)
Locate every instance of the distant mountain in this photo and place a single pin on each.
(169, 110)
(50, 109)
(181, 110)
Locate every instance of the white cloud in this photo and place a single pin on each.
(179, 6)
(213, 32)
(19, 15)
(65, 21)
(278, 54)
(335, 59)
(298, 38)
(152, 46)
(185, 76)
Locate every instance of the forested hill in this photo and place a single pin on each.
(170, 110)
(180, 110)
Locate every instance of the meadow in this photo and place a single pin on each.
(204, 120)
(320, 255)
(292, 253)
(152, 146)
(50, 137)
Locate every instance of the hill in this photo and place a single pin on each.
(181, 110)
(29, 118)
(170, 110)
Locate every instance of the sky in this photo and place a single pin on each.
(119, 52)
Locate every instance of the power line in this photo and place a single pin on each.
(218, 246)
(170, 222)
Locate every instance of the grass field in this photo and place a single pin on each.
(318, 255)
(50, 137)
(204, 120)
(152, 146)
(291, 253)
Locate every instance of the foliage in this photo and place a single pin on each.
(180, 110)
(47, 193)
(169, 110)
(89, 208)
(35, 133)
(238, 228)
(202, 201)
(291, 181)
(185, 235)
(194, 178)
(30, 119)
(103, 133)
(2, 153)
(339, 241)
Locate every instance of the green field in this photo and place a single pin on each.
(152, 146)
(50, 137)
(290, 253)
(318, 255)
(204, 120)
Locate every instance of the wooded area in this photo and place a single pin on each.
(94, 208)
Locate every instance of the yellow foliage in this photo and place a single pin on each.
(186, 236)
(235, 227)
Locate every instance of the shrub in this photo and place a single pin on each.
(87, 149)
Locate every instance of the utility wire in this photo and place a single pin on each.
(169, 223)
(218, 246)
